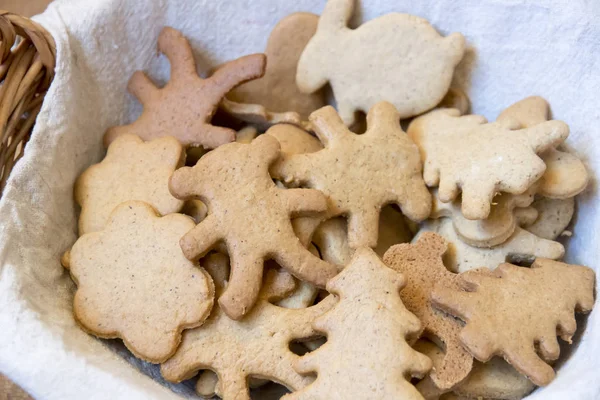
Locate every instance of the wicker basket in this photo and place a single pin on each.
(27, 53)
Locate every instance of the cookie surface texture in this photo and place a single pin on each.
(366, 355)
(277, 90)
(491, 158)
(258, 345)
(461, 257)
(566, 175)
(131, 170)
(362, 173)
(113, 269)
(414, 63)
(422, 266)
(252, 216)
(517, 312)
(554, 216)
(184, 107)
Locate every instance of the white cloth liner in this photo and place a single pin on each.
(549, 48)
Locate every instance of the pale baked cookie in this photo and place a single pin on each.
(277, 89)
(491, 157)
(184, 107)
(565, 175)
(134, 283)
(131, 170)
(362, 173)
(413, 68)
(257, 345)
(366, 355)
(259, 116)
(521, 246)
(331, 237)
(422, 266)
(252, 216)
(497, 227)
(518, 312)
(554, 216)
(458, 99)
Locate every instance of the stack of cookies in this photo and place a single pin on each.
(240, 218)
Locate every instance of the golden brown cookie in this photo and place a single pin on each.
(134, 283)
(362, 173)
(131, 170)
(397, 58)
(258, 345)
(458, 99)
(184, 107)
(518, 312)
(252, 216)
(422, 266)
(366, 355)
(277, 89)
(491, 157)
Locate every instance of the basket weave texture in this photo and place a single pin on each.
(27, 60)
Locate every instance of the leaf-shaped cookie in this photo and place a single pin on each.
(566, 175)
(397, 58)
(131, 170)
(134, 283)
(466, 154)
(422, 266)
(461, 257)
(257, 345)
(362, 173)
(277, 89)
(518, 312)
(184, 107)
(366, 355)
(252, 215)
(497, 227)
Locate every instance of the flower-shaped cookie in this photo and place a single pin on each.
(252, 215)
(134, 283)
(131, 170)
(362, 173)
(184, 107)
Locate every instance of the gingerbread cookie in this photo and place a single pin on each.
(414, 63)
(114, 269)
(554, 216)
(566, 175)
(366, 336)
(521, 246)
(331, 237)
(491, 157)
(421, 264)
(277, 89)
(362, 173)
(497, 227)
(131, 170)
(184, 107)
(518, 312)
(252, 216)
(230, 347)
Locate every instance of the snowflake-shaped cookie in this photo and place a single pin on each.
(362, 173)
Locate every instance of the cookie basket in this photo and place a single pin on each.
(26, 71)
(64, 79)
